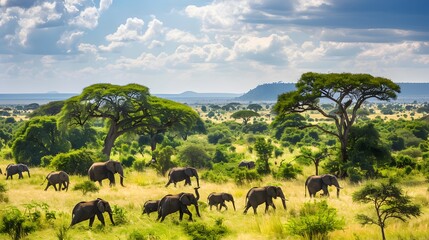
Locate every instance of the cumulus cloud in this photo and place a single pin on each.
(180, 36)
(133, 31)
(88, 18)
(104, 5)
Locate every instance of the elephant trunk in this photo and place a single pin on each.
(121, 180)
(197, 210)
(338, 192)
(198, 181)
(233, 204)
(284, 203)
(197, 194)
(28, 173)
(111, 218)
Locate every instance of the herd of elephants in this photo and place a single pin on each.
(169, 203)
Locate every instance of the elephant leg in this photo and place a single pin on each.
(55, 187)
(188, 181)
(186, 210)
(47, 185)
(180, 215)
(100, 183)
(20, 175)
(325, 191)
(101, 218)
(247, 208)
(211, 207)
(254, 209)
(266, 206)
(169, 182)
(91, 221)
(224, 205)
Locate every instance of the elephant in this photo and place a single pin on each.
(60, 178)
(258, 195)
(13, 169)
(248, 164)
(219, 199)
(316, 183)
(102, 170)
(150, 206)
(179, 202)
(88, 210)
(182, 173)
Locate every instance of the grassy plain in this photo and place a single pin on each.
(142, 186)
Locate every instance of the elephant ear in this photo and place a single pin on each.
(189, 172)
(327, 179)
(185, 200)
(227, 197)
(110, 165)
(100, 206)
(271, 191)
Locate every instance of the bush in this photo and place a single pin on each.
(139, 165)
(288, 171)
(201, 231)
(3, 196)
(128, 161)
(15, 224)
(75, 162)
(214, 176)
(315, 221)
(86, 187)
(243, 176)
(119, 215)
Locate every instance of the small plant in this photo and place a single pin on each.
(201, 231)
(243, 176)
(388, 201)
(315, 221)
(288, 171)
(86, 187)
(3, 196)
(15, 224)
(119, 215)
(62, 232)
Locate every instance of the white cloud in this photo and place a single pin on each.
(130, 31)
(68, 38)
(180, 36)
(155, 44)
(104, 5)
(87, 18)
(112, 46)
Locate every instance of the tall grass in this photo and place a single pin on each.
(142, 186)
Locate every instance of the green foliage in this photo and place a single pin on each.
(62, 232)
(264, 150)
(245, 115)
(201, 231)
(139, 165)
(75, 162)
(220, 155)
(138, 235)
(128, 160)
(402, 161)
(119, 215)
(3, 197)
(244, 175)
(38, 137)
(315, 221)
(86, 187)
(163, 160)
(15, 224)
(195, 155)
(49, 109)
(288, 171)
(388, 202)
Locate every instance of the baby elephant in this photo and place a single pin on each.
(88, 210)
(150, 206)
(60, 178)
(219, 199)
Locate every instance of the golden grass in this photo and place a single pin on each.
(148, 185)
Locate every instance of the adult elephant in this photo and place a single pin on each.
(179, 202)
(88, 210)
(258, 195)
(102, 170)
(178, 174)
(60, 178)
(247, 164)
(13, 169)
(316, 183)
(217, 199)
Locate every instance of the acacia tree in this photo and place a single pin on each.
(307, 157)
(264, 150)
(345, 90)
(246, 115)
(126, 108)
(388, 201)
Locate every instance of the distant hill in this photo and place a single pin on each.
(269, 92)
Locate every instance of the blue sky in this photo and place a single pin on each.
(232, 46)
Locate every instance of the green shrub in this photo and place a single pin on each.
(15, 224)
(128, 161)
(139, 165)
(137, 235)
(75, 162)
(46, 160)
(214, 176)
(201, 231)
(3, 196)
(119, 215)
(288, 171)
(315, 221)
(355, 175)
(86, 187)
(243, 176)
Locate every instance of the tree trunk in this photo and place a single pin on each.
(153, 142)
(382, 233)
(317, 168)
(110, 139)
